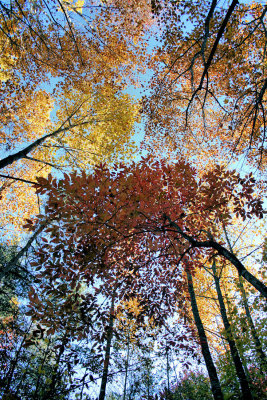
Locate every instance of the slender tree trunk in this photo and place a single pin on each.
(55, 379)
(258, 346)
(24, 152)
(40, 375)
(214, 380)
(15, 259)
(15, 362)
(229, 336)
(126, 369)
(108, 348)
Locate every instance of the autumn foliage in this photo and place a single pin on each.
(133, 147)
(116, 227)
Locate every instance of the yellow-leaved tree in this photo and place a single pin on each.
(64, 71)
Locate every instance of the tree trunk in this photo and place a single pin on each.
(14, 363)
(258, 346)
(214, 380)
(229, 336)
(35, 396)
(212, 244)
(9, 160)
(108, 348)
(5, 271)
(126, 369)
(56, 378)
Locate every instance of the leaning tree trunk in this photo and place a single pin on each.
(107, 354)
(258, 346)
(212, 244)
(229, 337)
(214, 380)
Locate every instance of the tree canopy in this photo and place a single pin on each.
(133, 150)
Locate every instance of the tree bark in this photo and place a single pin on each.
(214, 380)
(246, 393)
(108, 349)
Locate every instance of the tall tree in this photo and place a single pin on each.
(214, 380)
(258, 345)
(64, 71)
(233, 348)
(118, 226)
(209, 88)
